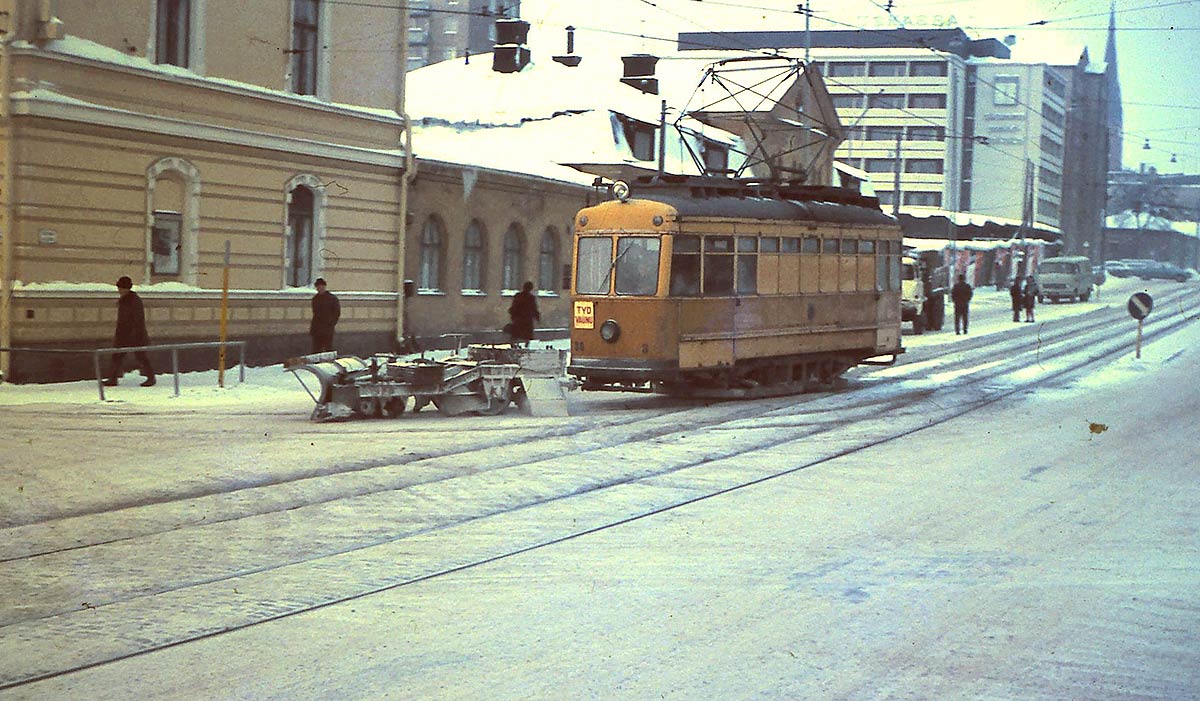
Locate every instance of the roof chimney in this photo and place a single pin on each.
(510, 53)
(639, 72)
(570, 59)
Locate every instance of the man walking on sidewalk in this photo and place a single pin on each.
(131, 332)
(961, 295)
(326, 310)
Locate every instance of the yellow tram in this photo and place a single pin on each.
(722, 287)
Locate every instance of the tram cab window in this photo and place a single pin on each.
(637, 265)
(685, 266)
(908, 272)
(594, 267)
(718, 265)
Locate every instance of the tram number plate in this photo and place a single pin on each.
(585, 315)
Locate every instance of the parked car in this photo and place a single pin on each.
(1127, 267)
(1163, 271)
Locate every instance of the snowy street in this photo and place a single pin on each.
(1008, 514)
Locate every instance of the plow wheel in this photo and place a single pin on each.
(395, 406)
(370, 407)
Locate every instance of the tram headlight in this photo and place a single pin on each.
(610, 331)
(620, 190)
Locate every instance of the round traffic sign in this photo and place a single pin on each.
(1140, 304)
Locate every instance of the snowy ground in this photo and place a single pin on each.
(1042, 545)
(272, 389)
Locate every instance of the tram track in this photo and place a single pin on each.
(968, 395)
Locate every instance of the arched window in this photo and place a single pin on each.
(514, 245)
(432, 240)
(548, 261)
(299, 254)
(473, 263)
(304, 230)
(172, 220)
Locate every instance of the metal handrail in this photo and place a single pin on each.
(174, 348)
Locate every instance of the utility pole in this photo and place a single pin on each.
(896, 179)
(662, 140)
(1026, 216)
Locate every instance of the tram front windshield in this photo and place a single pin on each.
(634, 268)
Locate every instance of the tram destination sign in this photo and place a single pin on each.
(1140, 304)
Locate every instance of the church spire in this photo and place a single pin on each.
(1115, 118)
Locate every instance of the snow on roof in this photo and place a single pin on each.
(1132, 220)
(1052, 48)
(971, 218)
(920, 244)
(457, 91)
(545, 117)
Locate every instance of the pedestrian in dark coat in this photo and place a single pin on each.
(1031, 294)
(523, 311)
(131, 332)
(961, 295)
(1017, 292)
(326, 310)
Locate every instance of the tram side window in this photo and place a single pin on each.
(894, 265)
(881, 268)
(685, 266)
(812, 244)
(718, 265)
(791, 245)
(637, 265)
(747, 265)
(830, 246)
(594, 266)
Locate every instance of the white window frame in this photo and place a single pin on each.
(511, 268)
(196, 15)
(189, 229)
(431, 254)
(321, 91)
(548, 257)
(317, 252)
(474, 258)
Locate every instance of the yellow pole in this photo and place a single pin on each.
(224, 318)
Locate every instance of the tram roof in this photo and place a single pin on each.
(758, 199)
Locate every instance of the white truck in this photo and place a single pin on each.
(924, 282)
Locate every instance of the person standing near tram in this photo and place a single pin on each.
(960, 294)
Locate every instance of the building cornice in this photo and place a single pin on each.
(182, 77)
(47, 104)
(109, 292)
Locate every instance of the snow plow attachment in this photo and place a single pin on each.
(351, 387)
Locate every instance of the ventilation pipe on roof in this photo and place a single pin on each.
(569, 59)
(639, 72)
(510, 53)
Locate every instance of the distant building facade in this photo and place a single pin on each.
(441, 30)
(977, 132)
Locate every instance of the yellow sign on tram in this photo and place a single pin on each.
(585, 315)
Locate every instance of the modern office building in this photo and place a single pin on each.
(947, 123)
